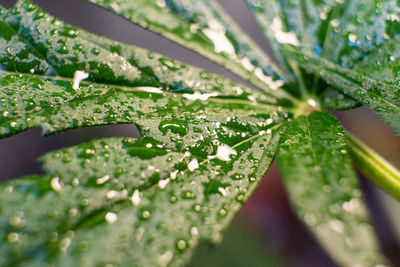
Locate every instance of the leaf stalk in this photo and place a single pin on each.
(374, 166)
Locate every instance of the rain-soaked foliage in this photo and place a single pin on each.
(206, 142)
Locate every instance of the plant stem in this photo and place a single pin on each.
(299, 75)
(374, 166)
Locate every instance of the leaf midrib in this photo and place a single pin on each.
(95, 214)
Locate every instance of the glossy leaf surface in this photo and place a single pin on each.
(145, 85)
(203, 26)
(349, 44)
(374, 92)
(205, 144)
(133, 199)
(321, 183)
(205, 141)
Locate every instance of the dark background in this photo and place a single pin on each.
(266, 221)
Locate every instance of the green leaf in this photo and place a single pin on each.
(54, 105)
(205, 141)
(138, 83)
(203, 26)
(149, 208)
(349, 44)
(343, 32)
(376, 93)
(321, 183)
(205, 144)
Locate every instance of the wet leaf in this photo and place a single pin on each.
(321, 183)
(150, 209)
(379, 93)
(205, 141)
(205, 144)
(203, 26)
(321, 28)
(132, 84)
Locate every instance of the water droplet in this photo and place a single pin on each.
(95, 51)
(145, 214)
(30, 104)
(222, 212)
(163, 183)
(165, 258)
(72, 212)
(175, 126)
(75, 182)
(111, 217)
(181, 244)
(135, 199)
(65, 243)
(281, 36)
(69, 32)
(12, 237)
(237, 176)
(63, 49)
(222, 191)
(111, 194)
(17, 221)
(198, 96)
(55, 184)
(188, 195)
(216, 33)
(39, 15)
(78, 77)
(193, 164)
(173, 174)
(103, 179)
(86, 151)
(240, 197)
(197, 208)
(194, 231)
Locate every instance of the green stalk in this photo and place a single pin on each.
(374, 166)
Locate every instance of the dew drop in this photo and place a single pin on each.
(181, 244)
(111, 217)
(135, 199)
(197, 208)
(12, 237)
(163, 183)
(111, 194)
(78, 77)
(95, 51)
(193, 164)
(55, 184)
(216, 33)
(103, 179)
(194, 231)
(222, 191)
(173, 174)
(165, 258)
(145, 214)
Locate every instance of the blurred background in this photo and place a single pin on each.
(265, 232)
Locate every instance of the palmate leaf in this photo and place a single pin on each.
(205, 141)
(379, 92)
(147, 200)
(138, 206)
(318, 35)
(134, 79)
(317, 172)
(349, 44)
(343, 32)
(204, 27)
